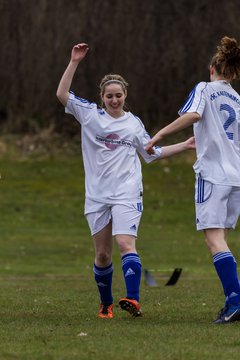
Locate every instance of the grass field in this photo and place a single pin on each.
(48, 299)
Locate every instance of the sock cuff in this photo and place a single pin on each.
(102, 271)
(131, 257)
(222, 255)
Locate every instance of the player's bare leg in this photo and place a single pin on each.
(216, 240)
(103, 244)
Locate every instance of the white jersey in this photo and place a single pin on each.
(109, 147)
(217, 133)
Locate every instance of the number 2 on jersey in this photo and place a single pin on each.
(231, 118)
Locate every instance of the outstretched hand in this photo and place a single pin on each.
(79, 52)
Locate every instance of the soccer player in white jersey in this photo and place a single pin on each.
(214, 109)
(111, 139)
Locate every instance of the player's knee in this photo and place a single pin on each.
(126, 244)
(103, 258)
(215, 244)
(126, 248)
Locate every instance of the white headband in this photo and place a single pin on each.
(114, 81)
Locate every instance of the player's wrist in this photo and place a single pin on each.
(74, 62)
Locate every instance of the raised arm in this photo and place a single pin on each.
(79, 51)
(179, 124)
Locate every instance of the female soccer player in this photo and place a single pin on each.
(214, 109)
(111, 139)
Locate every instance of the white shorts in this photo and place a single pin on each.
(125, 217)
(217, 206)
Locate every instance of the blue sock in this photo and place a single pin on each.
(132, 269)
(226, 268)
(103, 278)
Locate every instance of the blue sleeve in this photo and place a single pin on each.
(196, 100)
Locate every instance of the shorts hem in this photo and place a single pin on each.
(94, 232)
(124, 232)
(217, 226)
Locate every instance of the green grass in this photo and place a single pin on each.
(48, 299)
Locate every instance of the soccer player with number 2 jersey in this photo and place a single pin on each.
(214, 110)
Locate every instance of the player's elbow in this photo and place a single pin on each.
(62, 97)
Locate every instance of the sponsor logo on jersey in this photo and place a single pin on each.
(112, 141)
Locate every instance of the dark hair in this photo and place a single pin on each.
(226, 61)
